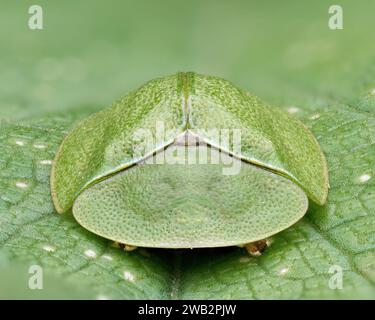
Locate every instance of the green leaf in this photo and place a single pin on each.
(297, 265)
(34, 233)
(341, 233)
(81, 62)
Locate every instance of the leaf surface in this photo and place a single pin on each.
(297, 265)
(56, 77)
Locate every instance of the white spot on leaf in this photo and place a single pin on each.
(283, 271)
(22, 185)
(90, 253)
(46, 162)
(107, 257)
(364, 178)
(315, 116)
(39, 146)
(101, 297)
(128, 276)
(20, 143)
(49, 248)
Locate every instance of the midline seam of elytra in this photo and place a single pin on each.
(187, 123)
(188, 120)
(186, 102)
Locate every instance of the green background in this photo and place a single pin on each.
(94, 53)
(89, 54)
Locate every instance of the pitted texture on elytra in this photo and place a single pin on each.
(104, 143)
(268, 136)
(33, 234)
(192, 205)
(339, 233)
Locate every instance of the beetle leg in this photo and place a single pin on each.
(256, 248)
(126, 247)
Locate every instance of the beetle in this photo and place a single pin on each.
(124, 171)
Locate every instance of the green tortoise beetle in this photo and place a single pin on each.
(189, 161)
